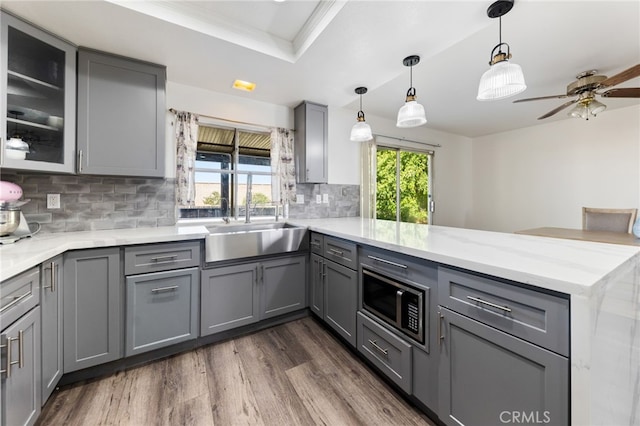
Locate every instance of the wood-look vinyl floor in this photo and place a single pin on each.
(292, 374)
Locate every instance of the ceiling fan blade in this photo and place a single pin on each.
(623, 92)
(560, 108)
(625, 75)
(540, 98)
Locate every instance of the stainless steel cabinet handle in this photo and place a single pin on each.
(315, 244)
(336, 252)
(20, 360)
(388, 262)
(164, 259)
(80, 161)
(163, 289)
(52, 285)
(15, 301)
(440, 335)
(493, 305)
(324, 269)
(7, 369)
(374, 343)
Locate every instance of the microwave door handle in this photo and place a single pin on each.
(399, 294)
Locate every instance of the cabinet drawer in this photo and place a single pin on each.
(18, 295)
(386, 351)
(162, 309)
(316, 243)
(341, 251)
(400, 266)
(536, 317)
(161, 257)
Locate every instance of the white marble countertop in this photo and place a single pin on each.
(567, 266)
(27, 253)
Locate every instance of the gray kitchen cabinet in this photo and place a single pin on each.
(316, 285)
(121, 115)
(20, 366)
(92, 298)
(229, 298)
(162, 309)
(20, 390)
(241, 294)
(388, 352)
(282, 286)
(341, 299)
(311, 142)
(333, 284)
(38, 87)
(488, 376)
(52, 327)
(503, 351)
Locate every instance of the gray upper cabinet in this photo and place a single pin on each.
(51, 330)
(311, 142)
(92, 298)
(121, 115)
(38, 98)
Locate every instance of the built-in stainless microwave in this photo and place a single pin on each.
(394, 302)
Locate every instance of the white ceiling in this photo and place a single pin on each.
(321, 50)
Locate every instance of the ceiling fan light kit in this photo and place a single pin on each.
(361, 131)
(586, 87)
(503, 79)
(411, 114)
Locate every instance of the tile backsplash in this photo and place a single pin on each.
(108, 202)
(344, 201)
(96, 202)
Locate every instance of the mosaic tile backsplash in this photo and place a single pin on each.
(344, 201)
(96, 202)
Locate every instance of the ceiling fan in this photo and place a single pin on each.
(586, 88)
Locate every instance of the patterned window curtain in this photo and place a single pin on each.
(187, 144)
(283, 166)
(368, 151)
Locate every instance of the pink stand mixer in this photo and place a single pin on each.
(13, 225)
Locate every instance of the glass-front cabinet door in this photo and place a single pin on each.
(38, 73)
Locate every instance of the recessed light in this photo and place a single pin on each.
(247, 86)
(279, 1)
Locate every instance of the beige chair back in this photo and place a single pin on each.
(611, 220)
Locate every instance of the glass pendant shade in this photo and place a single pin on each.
(411, 114)
(361, 132)
(596, 107)
(579, 111)
(501, 80)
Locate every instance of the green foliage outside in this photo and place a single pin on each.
(212, 200)
(257, 199)
(414, 186)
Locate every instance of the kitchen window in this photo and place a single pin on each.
(403, 185)
(225, 159)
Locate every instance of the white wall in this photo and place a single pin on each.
(544, 175)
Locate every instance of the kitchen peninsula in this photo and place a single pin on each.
(601, 281)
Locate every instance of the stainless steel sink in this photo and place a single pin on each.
(226, 242)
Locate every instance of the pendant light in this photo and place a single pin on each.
(361, 131)
(503, 79)
(412, 113)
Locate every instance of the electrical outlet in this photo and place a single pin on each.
(299, 198)
(53, 201)
(325, 198)
(318, 198)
